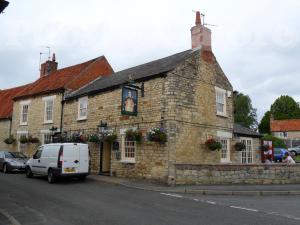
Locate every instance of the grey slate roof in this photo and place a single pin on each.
(140, 72)
(244, 131)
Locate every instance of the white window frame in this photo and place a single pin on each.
(19, 134)
(226, 147)
(124, 158)
(47, 100)
(220, 91)
(22, 105)
(81, 102)
(246, 151)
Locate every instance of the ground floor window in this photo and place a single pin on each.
(22, 146)
(47, 138)
(128, 150)
(247, 153)
(225, 150)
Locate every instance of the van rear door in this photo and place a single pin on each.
(84, 158)
(71, 158)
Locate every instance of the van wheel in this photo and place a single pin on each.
(82, 178)
(28, 172)
(5, 168)
(51, 178)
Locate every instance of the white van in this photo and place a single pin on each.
(59, 160)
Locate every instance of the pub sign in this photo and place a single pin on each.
(129, 101)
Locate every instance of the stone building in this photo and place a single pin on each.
(37, 110)
(186, 95)
(6, 109)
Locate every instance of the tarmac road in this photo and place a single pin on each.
(26, 201)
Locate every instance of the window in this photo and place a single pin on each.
(128, 150)
(225, 151)
(221, 101)
(47, 138)
(283, 134)
(49, 105)
(49, 111)
(247, 153)
(24, 114)
(82, 108)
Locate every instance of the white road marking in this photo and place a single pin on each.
(284, 215)
(172, 195)
(11, 219)
(237, 207)
(210, 202)
(195, 199)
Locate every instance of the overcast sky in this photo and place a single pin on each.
(256, 42)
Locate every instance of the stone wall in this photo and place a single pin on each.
(35, 125)
(151, 158)
(237, 174)
(4, 133)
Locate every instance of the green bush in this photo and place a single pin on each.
(277, 142)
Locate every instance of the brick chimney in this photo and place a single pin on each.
(48, 67)
(201, 35)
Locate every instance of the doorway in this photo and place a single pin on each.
(105, 158)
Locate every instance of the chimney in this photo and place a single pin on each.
(201, 35)
(49, 66)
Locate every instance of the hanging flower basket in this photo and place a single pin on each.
(23, 140)
(157, 134)
(33, 140)
(134, 135)
(94, 138)
(10, 140)
(111, 137)
(239, 146)
(213, 145)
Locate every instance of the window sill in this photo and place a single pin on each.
(23, 124)
(128, 161)
(48, 122)
(222, 115)
(81, 119)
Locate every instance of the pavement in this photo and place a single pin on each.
(247, 190)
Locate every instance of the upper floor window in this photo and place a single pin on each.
(221, 101)
(24, 113)
(82, 108)
(49, 111)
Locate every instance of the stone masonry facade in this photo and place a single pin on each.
(36, 126)
(183, 101)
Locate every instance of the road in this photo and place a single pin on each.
(35, 202)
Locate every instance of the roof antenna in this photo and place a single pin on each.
(203, 19)
(44, 53)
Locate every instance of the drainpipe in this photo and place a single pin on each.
(62, 111)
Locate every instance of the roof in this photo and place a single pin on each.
(285, 125)
(244, 131)
(6, 100)
(69, 78)
(140, 72)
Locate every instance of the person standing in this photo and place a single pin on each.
(289, 159)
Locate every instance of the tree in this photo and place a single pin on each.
(285, 107)
(264, 126)
(244, 113)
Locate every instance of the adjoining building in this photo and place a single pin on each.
(288, 130)
(38, 109)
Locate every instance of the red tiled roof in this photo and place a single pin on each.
(72, 77)
(6, 100)
(285, 125)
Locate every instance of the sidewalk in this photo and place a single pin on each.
(252, 190)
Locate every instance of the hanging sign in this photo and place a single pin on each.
(129, 101)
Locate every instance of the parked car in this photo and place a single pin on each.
(295, 150)
(12, 161)
(60, 160)
(279, 153)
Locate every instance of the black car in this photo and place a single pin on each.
(12, 161)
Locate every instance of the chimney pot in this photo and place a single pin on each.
(198, 18)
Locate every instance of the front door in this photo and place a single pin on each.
(247, 153)
(105, 154)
